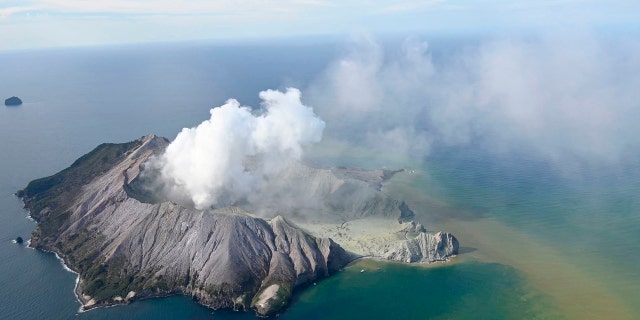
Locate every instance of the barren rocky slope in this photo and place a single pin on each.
(126, 249)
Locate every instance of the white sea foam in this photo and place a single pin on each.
(28, 212)
(63, 264)
(75, 293)
(75, 287)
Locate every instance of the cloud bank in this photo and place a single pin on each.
(29, 24)
(570, 99)
(226, 158)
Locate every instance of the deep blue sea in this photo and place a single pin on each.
(535, 244)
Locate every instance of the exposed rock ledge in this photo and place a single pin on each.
(124, 249)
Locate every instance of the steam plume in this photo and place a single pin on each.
(229, 156)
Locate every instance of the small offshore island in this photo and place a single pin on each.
(125, 243)
(13, 101)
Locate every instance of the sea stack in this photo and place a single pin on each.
(13, 101)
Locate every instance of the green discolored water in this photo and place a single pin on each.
(467, 290)
(572, 236)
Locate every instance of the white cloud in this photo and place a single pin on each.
(227, 19)
(569, 99)
(6, 12)
(228, 157)
(173, 7)
(411, 5)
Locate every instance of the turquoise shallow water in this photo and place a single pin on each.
(75, 99)
(460, 291)
(592, 218)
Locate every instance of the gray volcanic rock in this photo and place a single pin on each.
(13, 101)
(424, 247)
(127, 243)
(124, 249)
(331, 193)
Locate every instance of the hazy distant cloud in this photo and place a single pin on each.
(80, 22)
(6, 12)
(146, 7)
(570, 99)
(53, 23)
(411, 5)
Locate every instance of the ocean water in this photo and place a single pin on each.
(535, 245)
(573, 237)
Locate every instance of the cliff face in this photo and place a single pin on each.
(424, 247)
(125, 249)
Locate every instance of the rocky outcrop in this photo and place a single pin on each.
(127, 244)
(424, 247)
(13, 101)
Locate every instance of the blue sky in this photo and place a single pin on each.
(28, 24)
